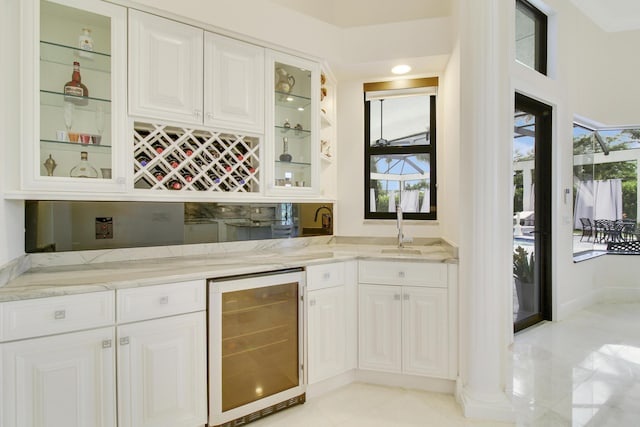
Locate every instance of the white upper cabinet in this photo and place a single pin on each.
(233, 84)
(74, 96)
(165, 68)
(293, 142)
(182, 73)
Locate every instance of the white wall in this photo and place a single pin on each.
(11, 212)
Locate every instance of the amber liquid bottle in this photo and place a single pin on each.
(75, 91)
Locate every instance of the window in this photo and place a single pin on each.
(531, 36)
(605, 176)
(400, 149)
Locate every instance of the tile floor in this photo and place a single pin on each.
(584, 371)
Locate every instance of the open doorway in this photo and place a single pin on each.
(531, 212)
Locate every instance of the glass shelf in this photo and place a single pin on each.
(66, 55)
(297, 164)
(294, 133)
(288, 100)
(57, 99)
(76, 144)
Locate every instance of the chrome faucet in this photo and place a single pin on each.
(325, 224)
(399, 224)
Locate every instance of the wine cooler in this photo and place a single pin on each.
(255, 346)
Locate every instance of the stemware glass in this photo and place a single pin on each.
(68, 115)
(100, 119)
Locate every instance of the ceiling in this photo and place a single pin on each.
(612, 15)
(355, 13)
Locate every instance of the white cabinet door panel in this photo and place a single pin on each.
(380, 320)
(234, 84)
(165, 68)
(327, 333)
(425, 332)
(162, 372)
(64, 380)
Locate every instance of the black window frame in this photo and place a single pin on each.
(540, 36)
(429, 149)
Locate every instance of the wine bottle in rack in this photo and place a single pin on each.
(158, 147)
(186, 175)
(174, 184)
(159, 174)
(173, 162)
(186, 149)
(143, 160)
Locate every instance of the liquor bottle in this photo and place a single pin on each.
(84, 169)
(85, 42)
(75, 91)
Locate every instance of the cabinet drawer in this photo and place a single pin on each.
(403, 273)
(55, 315)
(158, 301)
(325, 276)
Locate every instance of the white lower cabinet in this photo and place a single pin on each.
(404, 329)
(58, 361)
(162, 372)
(331, 320)
(62, 380)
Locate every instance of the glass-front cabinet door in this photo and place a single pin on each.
(75, 105)
(294, 139)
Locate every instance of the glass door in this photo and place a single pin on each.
(295, 119)
(259, 343)
(531, 212)
(74, 108)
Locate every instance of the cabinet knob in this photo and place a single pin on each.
(164, 300)
(60, 314)
(401, 274)
(312, 302)
(326, 276)
(406, 297)
(197, 113)
(124, 340)
(106, 344)
(396, 297)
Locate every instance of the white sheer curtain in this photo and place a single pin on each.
(409, 200)
(392, 201)
(599, 199)
(426, 201)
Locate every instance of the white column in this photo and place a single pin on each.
(485, 29)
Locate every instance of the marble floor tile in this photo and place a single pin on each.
(583, 371)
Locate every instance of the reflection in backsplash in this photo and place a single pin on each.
(59, 226)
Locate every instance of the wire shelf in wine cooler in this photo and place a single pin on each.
(181, 159)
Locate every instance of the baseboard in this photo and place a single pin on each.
(330, 384)
(406, 381)
(568, 308)
(618, 295)
(495, 408)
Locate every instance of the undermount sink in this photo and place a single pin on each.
(402, 251)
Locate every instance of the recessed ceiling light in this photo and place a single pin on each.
(401, 69)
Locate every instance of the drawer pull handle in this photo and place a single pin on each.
(164, 300)
(106, 344)
(326, 275)
(401, 274)
(396, 297)
(60, 314)
(406, 297)
(124, 340)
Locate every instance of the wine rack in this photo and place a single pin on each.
(180, 159)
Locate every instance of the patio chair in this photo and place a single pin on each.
(587, 228)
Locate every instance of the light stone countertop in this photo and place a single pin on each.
(100, 270)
